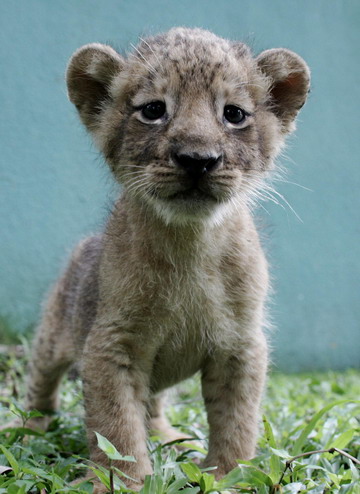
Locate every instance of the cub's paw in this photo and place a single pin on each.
(39, 424)
(14, 423)
(168, 434)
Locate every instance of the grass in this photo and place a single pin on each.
(303, 416)
(8, 335)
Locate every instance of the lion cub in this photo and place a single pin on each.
(190, 125)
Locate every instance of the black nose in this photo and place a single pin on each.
(196, 165)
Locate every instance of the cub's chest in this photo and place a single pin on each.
(198, 318)
(193, 296)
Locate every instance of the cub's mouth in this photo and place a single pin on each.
(192, 194)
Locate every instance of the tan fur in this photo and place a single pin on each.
(178, 281)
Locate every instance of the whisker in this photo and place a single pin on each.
(293, 183)
(151, 49)
(152, 69)
(288, 204)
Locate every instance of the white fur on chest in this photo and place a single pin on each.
(198, 320)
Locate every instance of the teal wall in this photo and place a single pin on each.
(54, 188)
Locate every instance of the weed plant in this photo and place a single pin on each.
(309, 442)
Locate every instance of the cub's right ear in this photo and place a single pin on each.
(89, 75)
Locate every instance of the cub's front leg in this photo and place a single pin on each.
(115, 380)
(232, 384)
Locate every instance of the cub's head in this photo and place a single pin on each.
(189, 123)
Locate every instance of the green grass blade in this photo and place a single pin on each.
(109, 449)
(11, 459)
(230, 479)
(192, 471)
(207, 482)
(176, 486)
(341, 441)
(299, 443)
(254, 476)
(275, 464)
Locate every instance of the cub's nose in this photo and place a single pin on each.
(197, 165)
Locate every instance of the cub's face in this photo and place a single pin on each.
(190, 123)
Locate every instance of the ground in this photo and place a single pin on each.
(302, 414)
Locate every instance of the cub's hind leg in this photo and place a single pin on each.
(52, 354)
(159, 423)
(66, 321)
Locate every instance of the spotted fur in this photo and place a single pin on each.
(177, 282)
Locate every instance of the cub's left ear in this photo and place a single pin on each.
(289, 78)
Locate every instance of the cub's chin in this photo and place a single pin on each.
(191, 206)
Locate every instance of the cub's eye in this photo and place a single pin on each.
(234, 114)
(153, 110)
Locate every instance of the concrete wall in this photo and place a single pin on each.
(54, 187)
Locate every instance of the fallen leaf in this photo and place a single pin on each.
(4, 469)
